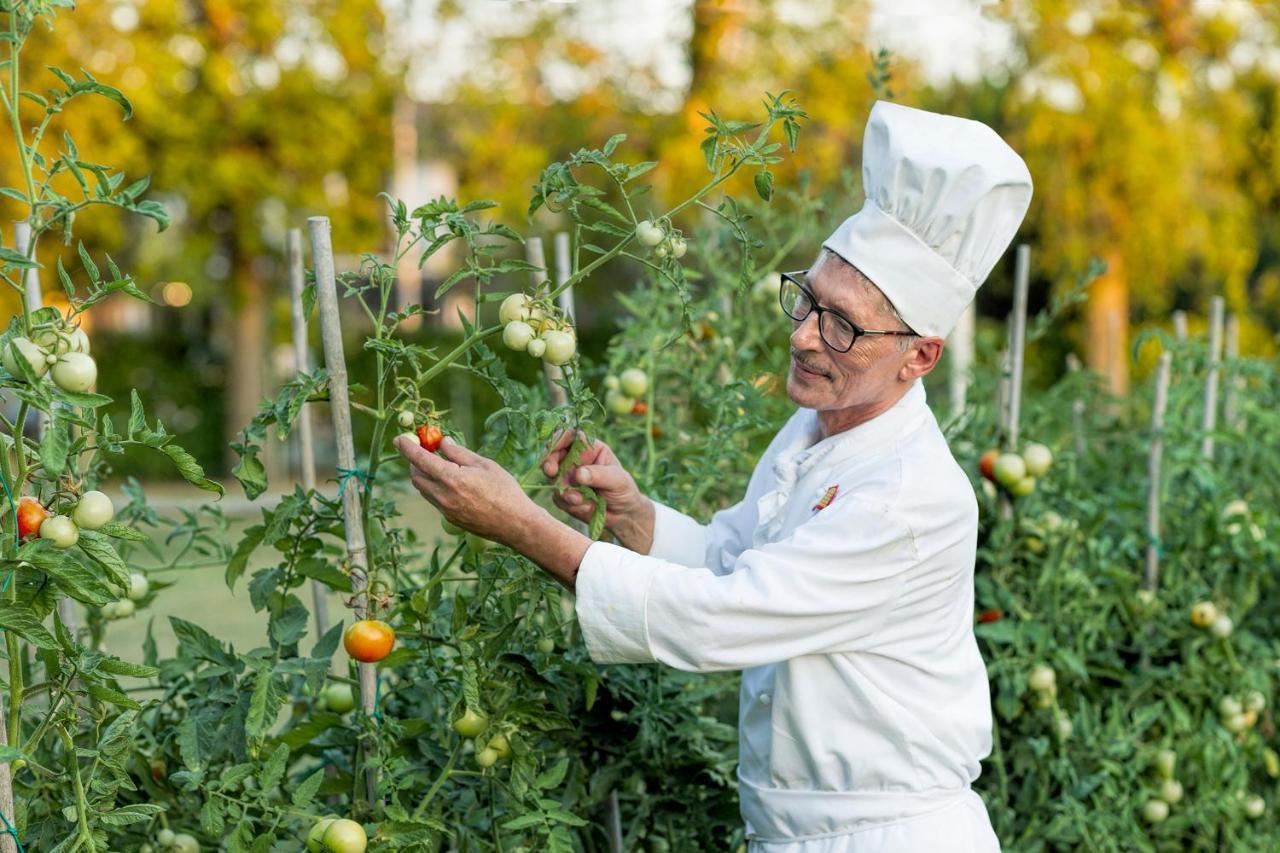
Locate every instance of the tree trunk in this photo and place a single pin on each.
(1108, 325)
(246, 377)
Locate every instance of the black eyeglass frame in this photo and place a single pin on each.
(858, 331)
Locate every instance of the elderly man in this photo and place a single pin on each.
(842, 584)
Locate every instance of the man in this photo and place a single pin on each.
(842, 584)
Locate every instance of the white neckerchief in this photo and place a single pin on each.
(802, 455)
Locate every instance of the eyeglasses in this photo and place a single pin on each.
(837, 332)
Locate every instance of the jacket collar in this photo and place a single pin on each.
(807, 450)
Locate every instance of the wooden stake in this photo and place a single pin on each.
(1151, 574)
(340, 410)
(305, 443)
(960, 346)
(1211, 381)
(35, 300)
(1180, 325)
(1077, 409)
(551, 372)
(1021, 278)
(1234, 384)
(7, 842)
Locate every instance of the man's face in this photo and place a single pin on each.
(868, 373)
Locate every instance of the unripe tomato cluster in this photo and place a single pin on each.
(1204, 614)
(1043, 681)
(661, 239)
(1168, 793)
(1236, 514)
(92, 511)
(177, 842)
(337, 835)
(1016, 472)
(527, 327)
(62, 352)
(1239, 716)
(621, 392)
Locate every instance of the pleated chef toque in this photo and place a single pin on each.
(945, 197)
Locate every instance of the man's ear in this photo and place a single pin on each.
(922, 358)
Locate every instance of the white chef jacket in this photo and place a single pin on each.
(864, 707)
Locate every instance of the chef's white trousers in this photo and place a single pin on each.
(962, 827)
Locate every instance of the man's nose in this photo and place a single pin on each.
(806, 335)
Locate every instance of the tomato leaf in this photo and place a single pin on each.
(23, 621)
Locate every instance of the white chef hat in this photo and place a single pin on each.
(945, 197)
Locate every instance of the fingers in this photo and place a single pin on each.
(456, 453)
(556, 451)
(422, 460)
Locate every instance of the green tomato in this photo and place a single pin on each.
(1255, 807)
(314, 844)
(338, 697)
(165, 837)
(406, 419)
(75, 371)
(514, 307)
(1010, 469)
(1042, 679)
(561, 346)
(449, 527)
(648, 233)
(516, 335)
(1023, 487)
(536, 348)
(478, 544)
(1155, 811)
(487, 757)
(344, 836)
(183, 843)
(618, 403)
(678, 247)
(546, 645)
(1038, 458)
(611, 383)
(60, 530)
(1222, 626)
(1255, 701)
(470, 724)
(1171, 791)
(93, 510)
(500, 745)
(634, 382)
(139, 586)
(35, 357)
(1229, 706)
(1166, 759)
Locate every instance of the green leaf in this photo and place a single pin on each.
(325, 572)
(23, 621)
(104, 554)
(54, 445)
(116, 530)
(70, 575)
(190, 469)
(273, 770)
(553, 776)
(764, 184)
(133, 813)
(256, 722)
(112, 697)
(13, 258)
(89, 266)
(116, 666)
(525, 821)
(612, 143)
(306, 790)
(240, 559)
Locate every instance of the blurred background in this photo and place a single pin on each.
(1151, 128)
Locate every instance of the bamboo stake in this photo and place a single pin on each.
(1150, 576)
(35, 300)
(961, 348)
(302, 364)
(1234, 384)
(1211, 381)
(1180, 325)
(7, 842)
(1021, 278)
(340, 411)
(1077, 409)
(551, 372)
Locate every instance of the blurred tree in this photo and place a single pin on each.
(1137, 137)
(249, 117)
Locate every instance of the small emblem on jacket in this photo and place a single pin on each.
(826, 499)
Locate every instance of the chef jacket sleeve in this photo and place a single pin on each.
(680, 539)
(825, 588)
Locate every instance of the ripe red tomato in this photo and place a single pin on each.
(30, 516)
(369, 640)
(989, 616)
(987, 464)
(430, 436)
(640, 407)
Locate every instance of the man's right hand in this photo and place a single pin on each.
(628, 513)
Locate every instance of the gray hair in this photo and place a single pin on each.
(884, 307)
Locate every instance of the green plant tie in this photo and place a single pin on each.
(10, 829)
(345, 474)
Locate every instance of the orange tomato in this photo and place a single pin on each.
(430, 436)
(31, 514)
(640, 407)
(369, 640)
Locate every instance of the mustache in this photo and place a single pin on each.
(808, 365)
